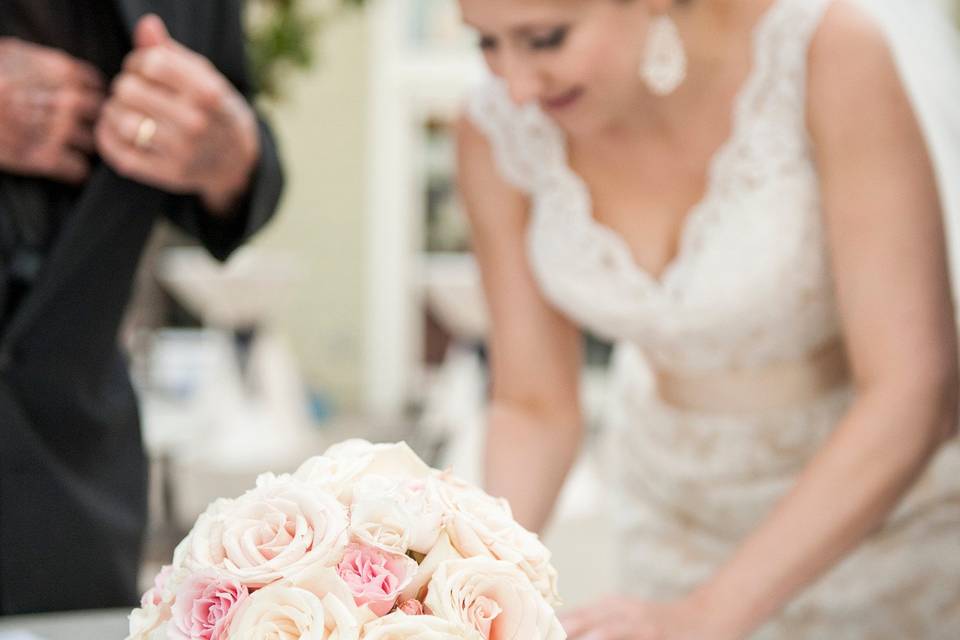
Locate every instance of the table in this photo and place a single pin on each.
(104, 624)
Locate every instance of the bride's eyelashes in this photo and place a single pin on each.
(554, 39)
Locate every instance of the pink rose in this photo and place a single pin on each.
(204, 606)
(375, 577)
(154, 596)
(411, 607)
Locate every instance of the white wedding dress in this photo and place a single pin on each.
(750, 287)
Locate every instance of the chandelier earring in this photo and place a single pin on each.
(664, 65)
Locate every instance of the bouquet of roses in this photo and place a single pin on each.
(365, 542)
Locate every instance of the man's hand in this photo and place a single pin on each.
(174, 122)
(49, 103)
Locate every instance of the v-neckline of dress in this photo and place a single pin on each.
(692, 219)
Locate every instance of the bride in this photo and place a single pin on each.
(740, 195)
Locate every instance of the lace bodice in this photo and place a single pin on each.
(751, 282)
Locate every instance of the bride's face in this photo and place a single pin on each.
(577, 59)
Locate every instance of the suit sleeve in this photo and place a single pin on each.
(221, 235)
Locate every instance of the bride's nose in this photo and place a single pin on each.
(524, 79)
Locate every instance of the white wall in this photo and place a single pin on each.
(322, 130)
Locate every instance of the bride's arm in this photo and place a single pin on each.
(887, 249)
(534, 425)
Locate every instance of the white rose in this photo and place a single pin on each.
(156, 604)
(376, 487)
(419, 500)
(160, 633)
(381, 523)
(343, 465)
(314, 605)
(494, 597)
(333, 475)
(283, 611)
(181, 554)
(423, 499)
(352, 448)
(385, 459)
(400, 626)
(441, 552)
(456, 493)
(147, 622)
(480, 525)
(269, 533)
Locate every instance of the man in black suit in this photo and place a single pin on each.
(106, 122)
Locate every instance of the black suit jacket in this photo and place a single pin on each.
(72, 467)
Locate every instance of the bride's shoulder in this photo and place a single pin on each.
(471, 140)
(848, 39)
(850, 62)
(484, 183)
(493, 131)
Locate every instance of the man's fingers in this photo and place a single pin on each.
(121, 128)
(87, 76)
(82, 138)
(131, 162)
(180, 72)
(72, 71)
(71, 167)
(84, 105)
(52, 101)
(150, 32)
(125, 124)
(46, 67)
(137, 94)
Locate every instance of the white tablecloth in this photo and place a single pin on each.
(106, 624)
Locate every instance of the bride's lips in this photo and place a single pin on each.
(562, 101)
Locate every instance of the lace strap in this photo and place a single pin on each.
(769, 119)
(805, 16)
(782, 44)
(524, 142)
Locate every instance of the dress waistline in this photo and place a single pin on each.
(779, 385)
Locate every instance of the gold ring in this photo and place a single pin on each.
(145, 132)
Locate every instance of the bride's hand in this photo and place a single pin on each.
(626, 618)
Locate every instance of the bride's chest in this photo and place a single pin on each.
(645, 195)
(750, 259)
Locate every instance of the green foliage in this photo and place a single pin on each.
(282, 36)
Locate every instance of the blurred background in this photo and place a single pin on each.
(358, 312)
